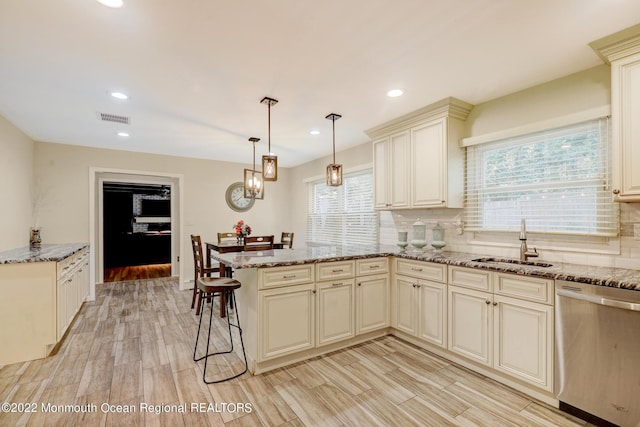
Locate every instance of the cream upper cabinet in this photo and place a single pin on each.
(625, 110)
(622, 51)
(418, 162)
(391, 156)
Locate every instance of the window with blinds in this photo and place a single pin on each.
(343, 215)
(558, 180)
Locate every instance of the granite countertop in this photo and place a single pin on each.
(601, 276)
(46, 253)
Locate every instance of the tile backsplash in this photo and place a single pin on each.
(622, 251)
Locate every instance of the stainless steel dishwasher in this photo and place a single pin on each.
(598, 352)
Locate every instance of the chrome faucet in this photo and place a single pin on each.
(525, 253)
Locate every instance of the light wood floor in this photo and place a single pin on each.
(134, 344)
(137, 272)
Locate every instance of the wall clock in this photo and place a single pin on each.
(235, 198)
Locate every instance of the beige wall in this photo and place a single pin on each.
(65, 169)
(16, 186)
(567, 95)
(351, 158)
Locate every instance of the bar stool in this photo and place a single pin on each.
(209, 286)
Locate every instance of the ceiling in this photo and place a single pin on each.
(196, 70)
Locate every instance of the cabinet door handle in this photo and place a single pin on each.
(359, 284)
(337, 284)
(416, 269)
(616, 191)
(374, 266)
(487, 302)
(289, 277)
(495, 303)
(313, 291)
(337, 270)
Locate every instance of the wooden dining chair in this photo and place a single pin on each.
(258, 243)
(227, 238)
(199, 269)
(286, 239)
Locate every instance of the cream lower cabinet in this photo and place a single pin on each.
(372, 303)
(286, 320)
(420, 304)
(508, 326)
(335, 308)
(72, 289)
(470, 324)
(372, 294)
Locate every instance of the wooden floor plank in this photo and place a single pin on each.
(133, 346)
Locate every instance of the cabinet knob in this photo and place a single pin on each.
(487, 302)
(616, 191)
(359, 284)
(313, 291)
(495, 303)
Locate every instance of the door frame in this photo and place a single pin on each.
(97, 177)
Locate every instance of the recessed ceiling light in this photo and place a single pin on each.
(119, 95)
(111, 3)
(123, 134)
(394, 93)
(315, 132)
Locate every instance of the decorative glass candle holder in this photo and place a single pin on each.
(438, 238)
(402, 240)
(419, 235)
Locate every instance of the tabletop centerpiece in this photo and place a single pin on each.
(242, 230)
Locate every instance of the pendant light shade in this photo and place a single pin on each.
(253, 185)
(269, 160)
(334, 171)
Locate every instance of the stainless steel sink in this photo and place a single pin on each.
(512, 261)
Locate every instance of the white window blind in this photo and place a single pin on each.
(343, 215)
(558, 180)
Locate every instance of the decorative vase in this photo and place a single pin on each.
(438, 238)
(419, 235)
(402, 240)
(239, 239)
(35, 241)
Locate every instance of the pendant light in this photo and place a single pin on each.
(269, 160)
(253, 185)
(334, 171)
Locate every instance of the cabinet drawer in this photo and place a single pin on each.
(335, 270)
(275, 277)
(528, 288)
(372, 266)
(472, 278)
(422, 270)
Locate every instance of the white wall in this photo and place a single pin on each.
(16, 186)
(65, 169)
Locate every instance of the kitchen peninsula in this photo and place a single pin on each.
(295, 304)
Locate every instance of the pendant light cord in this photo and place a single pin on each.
(269, 127)
(334, 140)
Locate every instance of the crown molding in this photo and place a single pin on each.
(618, 45)
(447, 107)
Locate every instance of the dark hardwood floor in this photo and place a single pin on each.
(137, 272)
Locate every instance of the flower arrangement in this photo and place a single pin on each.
(242, 229)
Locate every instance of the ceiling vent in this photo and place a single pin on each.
(114, 118)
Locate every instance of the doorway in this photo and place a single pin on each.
(136, 230)
(97, 178)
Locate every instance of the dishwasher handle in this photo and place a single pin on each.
(599, 300)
